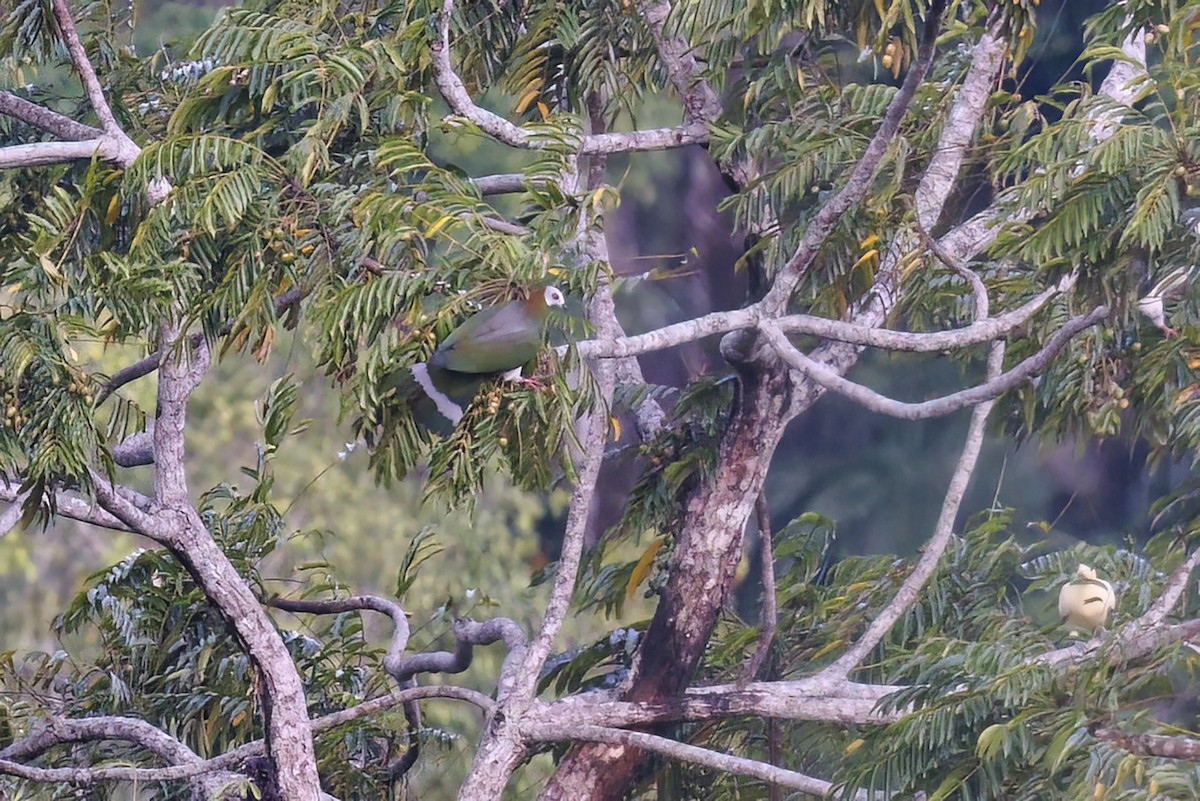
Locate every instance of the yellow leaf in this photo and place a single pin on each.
(114, 209)
(544, 110)
(439, 225)
(642, 568)
(268, 97)
(854, 746)
(530, 95)
(616, 427)
(870, 256)
(870, 241)
(833, 646)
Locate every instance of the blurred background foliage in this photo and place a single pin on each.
(876, 481)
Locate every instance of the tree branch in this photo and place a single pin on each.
(700, 103)
(503, 184)
(739, 766)
(39, 153)
(355, 603)
(1172, 592)
(12, 515)
(500, 129)
(1151, 745)
(131, 515)
(43, 118)
(829, 378)
(820, 697)
(175, 523)
(987, 59)
(73, 730)
(83, 65)
(969, 238)
(670, 336)
(180, 371)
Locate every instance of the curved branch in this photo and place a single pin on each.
(675, 334)
(937, 407)
(356, 603)
(74, 730)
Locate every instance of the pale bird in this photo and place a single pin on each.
(1086, 601)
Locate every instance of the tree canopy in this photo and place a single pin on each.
(355, 179)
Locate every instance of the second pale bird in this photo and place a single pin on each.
(1086, 601)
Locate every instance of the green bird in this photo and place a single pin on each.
(495, 342)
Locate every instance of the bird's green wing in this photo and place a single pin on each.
(493, 341)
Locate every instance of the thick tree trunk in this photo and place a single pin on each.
(706, 555)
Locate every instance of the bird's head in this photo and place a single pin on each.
(553, 296)
(1086, 573)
